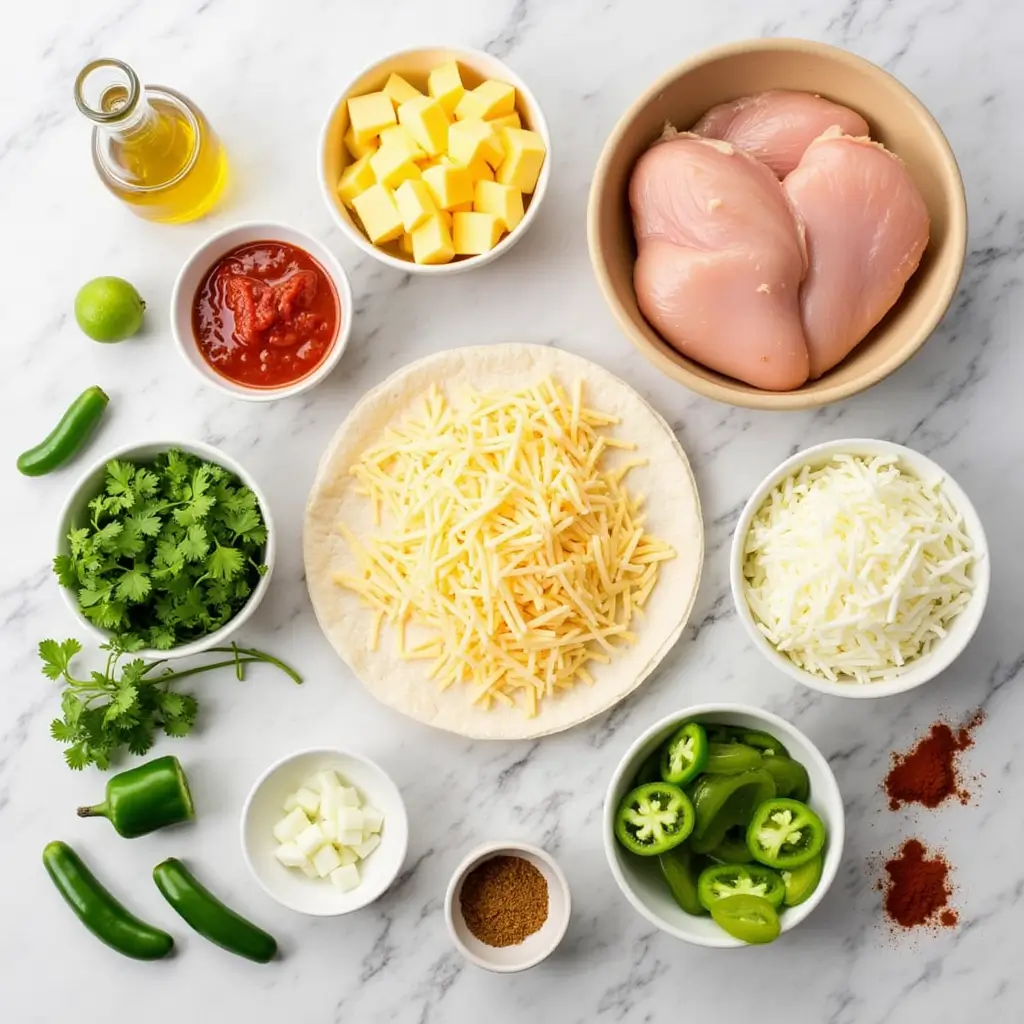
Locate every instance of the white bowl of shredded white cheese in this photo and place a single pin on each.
(860, 568)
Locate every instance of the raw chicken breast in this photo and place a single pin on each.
(720, 259)
(867, 227)
(778, 126)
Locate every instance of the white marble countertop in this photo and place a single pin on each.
(266, 75)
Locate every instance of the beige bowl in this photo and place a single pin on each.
(897, 119)
(475, 67)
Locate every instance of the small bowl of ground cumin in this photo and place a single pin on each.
(507, 906)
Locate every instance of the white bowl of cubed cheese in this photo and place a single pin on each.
(441, 162)
(324, 831)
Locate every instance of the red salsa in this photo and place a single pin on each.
(265, 315)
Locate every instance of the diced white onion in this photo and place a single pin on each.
(346, 878)
(310, 840)
(294, 822)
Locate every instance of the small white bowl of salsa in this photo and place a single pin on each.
(262, 311)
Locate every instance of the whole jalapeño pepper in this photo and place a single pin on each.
(74, 428)
(208, 916)
(97, 909)
(143, 799)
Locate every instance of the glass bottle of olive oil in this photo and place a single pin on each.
(152, 147)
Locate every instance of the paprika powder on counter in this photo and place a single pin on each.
(918, 890)
(929, 773)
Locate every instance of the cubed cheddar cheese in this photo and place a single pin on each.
(392, 165)
(524, 157)
(475, 233)
(431, 188)
(507, 121)
(449, 184)
(490, 99)
(415, 203)
(399, 135)
(432, 241)
(479, 170)
(399, 91)
(370, 114)
(428, 121)
(474, 139)
(356, 178)
(379, 214)
(503, 201)
(359, 145)
(444, 83)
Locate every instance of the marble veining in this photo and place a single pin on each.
(266, 75)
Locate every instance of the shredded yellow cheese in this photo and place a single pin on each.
(503, 537)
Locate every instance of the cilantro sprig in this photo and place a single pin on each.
(170, 552)
(126, 704)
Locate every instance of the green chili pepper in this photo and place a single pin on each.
(649, 770)
(720, 881)
(68, 436)
(721, 801)
(791, 778)
(733, 847)
(681, 868)
(785, 834)
(653, 818)
(99, 911)
(747, 918)
(731, 758)
(802, 881)
(143, 799)
(763, 741)
(684, 756)
(208, 916)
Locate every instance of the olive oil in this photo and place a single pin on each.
(151, 146)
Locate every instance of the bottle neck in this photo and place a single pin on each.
(108, 92)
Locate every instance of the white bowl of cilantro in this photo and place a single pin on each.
(167, 546)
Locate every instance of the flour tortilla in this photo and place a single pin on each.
(673, 515)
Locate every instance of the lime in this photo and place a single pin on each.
(109, 309)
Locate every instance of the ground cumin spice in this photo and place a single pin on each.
(918, 890)
(929, 773)
(504, 900)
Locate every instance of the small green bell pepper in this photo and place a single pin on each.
(143, 799)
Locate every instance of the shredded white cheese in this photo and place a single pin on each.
(504, 535)
(857, 567)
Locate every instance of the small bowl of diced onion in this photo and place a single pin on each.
(324, 831)
(860, 568)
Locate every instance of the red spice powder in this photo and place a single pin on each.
(929, 773)
(918, 889)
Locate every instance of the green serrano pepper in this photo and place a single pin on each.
(68, 436)
(208, 916)
(99, 911)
